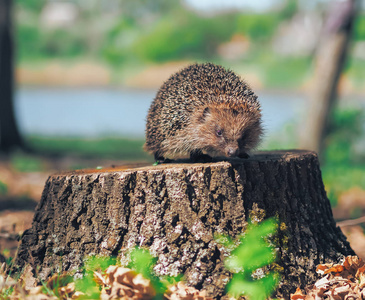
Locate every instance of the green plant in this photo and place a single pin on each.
(87, 284)
(143, 262)
(249, 263)
(6, 292)
(8, 259)
(53, 284)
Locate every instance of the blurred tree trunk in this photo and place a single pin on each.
(330, 60)
(9, 134)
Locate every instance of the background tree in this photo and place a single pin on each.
(329, 63)
(9, 134)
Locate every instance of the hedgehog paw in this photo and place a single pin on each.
(160, 159)
(198, 156)
(243, 155)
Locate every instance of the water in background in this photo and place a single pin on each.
(106, 112)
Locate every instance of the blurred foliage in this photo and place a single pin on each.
(129, 32)
(257, 26)
(64, 43)
(28, 40)
(23, 162)
(346, 131)
(290, 9)
(286, 137)
(31, 5)
(118, 41)
(356, 71)
(116, 148)
(253, 254)
(3, 188)
(143, 30)
(359, 28)
(139, 9)
(285, 72)
(339, 178)
(184, 36)
(344, 161)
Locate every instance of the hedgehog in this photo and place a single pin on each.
(203, 111)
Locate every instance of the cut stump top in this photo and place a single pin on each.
(262, 156)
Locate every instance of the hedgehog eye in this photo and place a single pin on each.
(219, 132)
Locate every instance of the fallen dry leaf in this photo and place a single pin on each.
(353, 263)
(27, 279)
(123, 282)
(335, 269)
(360, 274)
(100, 279)
(344, 281)
(298, 295)
(67, 291)
(322, 283)
(340, 291)
(180, 291)
(323, 267)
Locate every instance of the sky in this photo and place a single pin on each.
(254, 5)
(258, 6)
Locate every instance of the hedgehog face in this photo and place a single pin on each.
(228, 132)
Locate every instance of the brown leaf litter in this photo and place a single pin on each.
(115, 283)
(344, 281)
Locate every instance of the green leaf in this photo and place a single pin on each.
(253, 253)
(98, 262)
(262, 229)
(251, 258)
(142, 262)
(255, 289)
(87, 284)
(224, 240)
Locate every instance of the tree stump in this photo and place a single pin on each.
(176, 209)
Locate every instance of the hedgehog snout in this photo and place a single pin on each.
(232, 151)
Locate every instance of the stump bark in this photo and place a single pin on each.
(176, 209)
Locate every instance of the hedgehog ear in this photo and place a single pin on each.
(204, 114)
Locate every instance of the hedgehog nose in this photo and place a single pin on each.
(231, 152)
